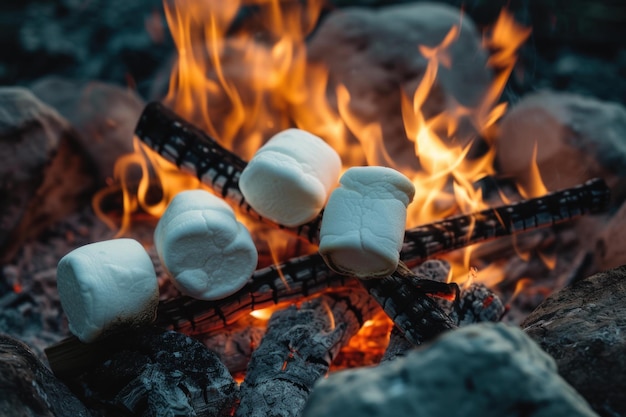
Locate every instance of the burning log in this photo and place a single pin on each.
(297, 350)
(405, 300)
(195, 152)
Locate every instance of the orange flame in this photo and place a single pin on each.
(242, 85)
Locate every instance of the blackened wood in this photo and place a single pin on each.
(297, 350)
(405, 301)
(153, 372)
(434, 270)
(477, 304)
(194, 151)
(398, 345)
(412, 310)
(28, 388)
(290, 281)
(426, 241)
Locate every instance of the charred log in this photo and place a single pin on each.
(297, 350)
(474, 303)
(152, 372)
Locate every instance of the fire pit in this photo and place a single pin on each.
(511, 192)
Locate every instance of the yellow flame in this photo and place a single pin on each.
(242, 85)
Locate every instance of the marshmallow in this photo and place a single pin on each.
(106, 285)
(208, 254)
(289, 178)
(364, 222)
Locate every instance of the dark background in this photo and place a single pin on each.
(576, 45)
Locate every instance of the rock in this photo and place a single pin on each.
(28, 388)
(43, 173)
(479, 370)
(610, 248)
(375, 54)
(577, 138)
(104, 115)
(153, 372)
(584, 328)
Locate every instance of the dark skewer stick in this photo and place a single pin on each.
(194, 151)
(423, 242)
(400, 295)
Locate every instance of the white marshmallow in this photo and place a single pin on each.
(364, 222)
(289, 178)
(105, 285)
(209, 254)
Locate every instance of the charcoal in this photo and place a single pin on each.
(297, 350)
(154, 372)
(28, 388)
(484, 369)
(583, 327)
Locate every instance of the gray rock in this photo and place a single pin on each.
(104, 115)
(479, 370)
(43, 173)
(584, 328)
(375, 54)
(577, 138)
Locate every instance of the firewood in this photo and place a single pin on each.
(44, 174)
(297, 350)
(193, 151)
(28, 388)
(149, 371)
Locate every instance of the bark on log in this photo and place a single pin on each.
(297, 350)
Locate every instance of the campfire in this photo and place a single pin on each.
(328, 210)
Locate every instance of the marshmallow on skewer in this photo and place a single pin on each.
(289, 178)
(106, 285)
(364, 222)
(209, 254)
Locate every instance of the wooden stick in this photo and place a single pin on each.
(198, 154)
(426, 241)
(290, 281)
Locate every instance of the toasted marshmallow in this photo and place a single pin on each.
(290, 177)
(364, 222)
(208, 254)
(106, 285)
